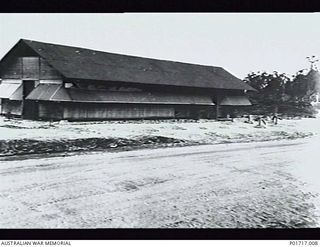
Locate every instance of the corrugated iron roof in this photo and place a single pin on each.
(18, 94)
(78, 63)
(11, 91)
(235, 101)
(44, 92)
(61, 94)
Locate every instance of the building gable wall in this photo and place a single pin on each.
(23, 63)
(29, 68)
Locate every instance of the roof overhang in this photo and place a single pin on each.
(60, 94)
(12, 91)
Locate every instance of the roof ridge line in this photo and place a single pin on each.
(113, 53)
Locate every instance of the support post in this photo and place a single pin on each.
(217, 106)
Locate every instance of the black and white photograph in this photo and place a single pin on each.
(160, 120)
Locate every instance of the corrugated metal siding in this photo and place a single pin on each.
(78, 112)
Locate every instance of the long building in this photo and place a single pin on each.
(45, 81)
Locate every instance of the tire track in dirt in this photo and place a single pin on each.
(203, 186)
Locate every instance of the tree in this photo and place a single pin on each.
(270, 88)
(304, 87)
(293, 95)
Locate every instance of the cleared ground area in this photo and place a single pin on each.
(19, 137)
(267, 184)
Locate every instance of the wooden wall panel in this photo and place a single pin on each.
(30, 68)
(13, 70)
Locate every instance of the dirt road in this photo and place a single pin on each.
(270, 184)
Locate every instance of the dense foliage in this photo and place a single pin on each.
(276, 89)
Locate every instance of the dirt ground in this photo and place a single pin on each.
(19, 137)
(269, 184)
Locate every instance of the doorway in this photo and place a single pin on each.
(29, 109)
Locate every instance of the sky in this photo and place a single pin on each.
(240, 43)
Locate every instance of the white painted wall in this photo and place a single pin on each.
(50, 81)
(12, 81)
